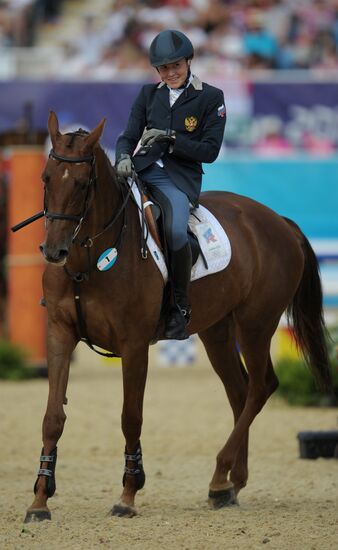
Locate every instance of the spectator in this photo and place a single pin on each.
(230, 36)
(21, 22)
(226, 42)
(6, 38)
(260, 46)
(323, 53)
(317, 145)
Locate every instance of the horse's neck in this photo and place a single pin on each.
(108, 195)
(106, 204)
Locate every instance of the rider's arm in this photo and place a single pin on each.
(207, 148)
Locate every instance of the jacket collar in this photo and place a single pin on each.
(194, 88)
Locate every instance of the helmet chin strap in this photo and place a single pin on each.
(187, 79)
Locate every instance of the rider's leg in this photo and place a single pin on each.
(180, 266)
(175, 205)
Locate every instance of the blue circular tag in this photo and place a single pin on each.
(107, 259)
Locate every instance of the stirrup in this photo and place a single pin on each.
(186, 313)
(176, 323)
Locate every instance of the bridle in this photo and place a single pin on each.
(126, 192)
(90, 159)
(88, 241)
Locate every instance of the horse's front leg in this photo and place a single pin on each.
(134, 367)
(60, 346)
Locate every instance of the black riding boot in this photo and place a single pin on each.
(179, 314)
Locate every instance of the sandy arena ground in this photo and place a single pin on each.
(289, 503)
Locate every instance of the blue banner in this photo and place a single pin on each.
(76, 103)
(300, 108)
(303, 109)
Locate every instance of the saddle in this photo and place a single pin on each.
(154, 216)
(210, 245)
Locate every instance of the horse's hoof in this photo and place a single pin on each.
(37, 515)
(123, 511)
(221, 499)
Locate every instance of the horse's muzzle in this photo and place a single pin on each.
(57, 256)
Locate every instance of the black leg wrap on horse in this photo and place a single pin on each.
(48, 473)
(137, 468)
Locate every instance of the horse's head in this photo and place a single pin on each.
(68, 177)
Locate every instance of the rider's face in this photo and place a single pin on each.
(174, 74)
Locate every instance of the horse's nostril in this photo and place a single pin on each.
(63, 254)
(54, 255)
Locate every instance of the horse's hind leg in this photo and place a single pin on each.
(60, 346)
(255, 346)
(220, 344)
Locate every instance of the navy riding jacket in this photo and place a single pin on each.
(198, 117)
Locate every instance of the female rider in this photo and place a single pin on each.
(180, 122)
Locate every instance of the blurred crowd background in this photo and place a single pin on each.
(102, 38)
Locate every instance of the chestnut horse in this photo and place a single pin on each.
(272, 269)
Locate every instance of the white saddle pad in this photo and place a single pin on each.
(213, 240)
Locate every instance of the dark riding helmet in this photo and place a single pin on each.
(170, 46)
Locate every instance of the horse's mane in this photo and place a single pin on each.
(99, 149)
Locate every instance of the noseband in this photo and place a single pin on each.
(90, 159)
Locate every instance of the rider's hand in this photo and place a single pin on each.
(124, 166)
(154, 134)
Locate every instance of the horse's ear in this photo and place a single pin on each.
(53, 127)
(95, 134)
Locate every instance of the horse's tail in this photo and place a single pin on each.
(306, 314)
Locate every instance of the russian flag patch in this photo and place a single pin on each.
(221, 110)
